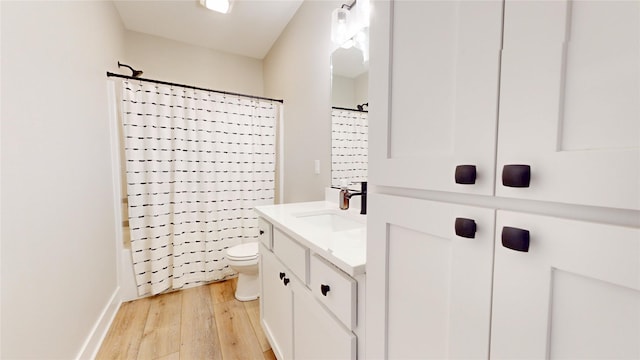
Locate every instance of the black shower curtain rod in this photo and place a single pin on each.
(110, 74)
(341, 108)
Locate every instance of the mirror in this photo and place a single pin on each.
(349, 113)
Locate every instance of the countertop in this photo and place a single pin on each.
(346, 249)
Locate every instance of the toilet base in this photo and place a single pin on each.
(247, 287)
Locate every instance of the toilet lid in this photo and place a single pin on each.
(243, 251)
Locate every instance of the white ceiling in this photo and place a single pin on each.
(250, 29)
(348, 63)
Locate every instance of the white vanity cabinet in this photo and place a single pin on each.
(308, 306)
(276, 303)
(334, 289)
(317, 334)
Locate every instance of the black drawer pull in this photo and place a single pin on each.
(285, 281)
(261, 232)
(282, 275)
(516, 175)
(465, 174)
(324, 289)
(466, 228)
(515, 239)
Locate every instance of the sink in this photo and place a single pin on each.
(331, 220)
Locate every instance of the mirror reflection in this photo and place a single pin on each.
(349, 113)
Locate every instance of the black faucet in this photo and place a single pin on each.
(363, 201)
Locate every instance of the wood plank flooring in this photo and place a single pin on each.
(204, 322)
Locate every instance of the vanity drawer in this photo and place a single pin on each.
(335, 289)
(265, 232)
(292, 254)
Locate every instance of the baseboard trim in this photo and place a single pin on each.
(99, 331)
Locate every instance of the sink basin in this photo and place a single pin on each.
(331, 220)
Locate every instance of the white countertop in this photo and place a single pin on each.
(346, 249)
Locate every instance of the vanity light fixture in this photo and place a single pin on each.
(221, 6)
(340, 24)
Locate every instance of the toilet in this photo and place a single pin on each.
(243, 259)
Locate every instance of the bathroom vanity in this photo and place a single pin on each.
(312, 274)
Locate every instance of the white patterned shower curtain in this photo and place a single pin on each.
(197, 162)
(349, 146)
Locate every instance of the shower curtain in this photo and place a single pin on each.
(349, 146)
(197, 162)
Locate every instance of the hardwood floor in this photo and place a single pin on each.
(204, 322)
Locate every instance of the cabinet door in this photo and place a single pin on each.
(433, 285)
(570, 101)
(434, 93)
(574, 295)
(335, 290)
(317, 334)
(277, 304)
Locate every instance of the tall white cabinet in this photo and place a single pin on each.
(504, 210)
(435, 79)
(574, 295)
(433, 284)
(570, 101)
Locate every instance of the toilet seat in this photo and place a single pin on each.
(243, 252)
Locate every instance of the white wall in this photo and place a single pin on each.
(343, 92)
(349, 93)
(362, 88)
(58, 250)
(173, 61)
(297, 70)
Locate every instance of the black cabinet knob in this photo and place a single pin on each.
(465, 174)
(324, 289)
(285, 281)
(261, 232)
(282, 275)
(515, 239)
(516, 175)
(466, 228)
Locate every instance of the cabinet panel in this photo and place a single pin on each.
(339, 294)
(434, 285)
(265, 231)
(317, 335)
(277, 301)
(294, 255)
(436, 107)
(570, 101)
(574, 294)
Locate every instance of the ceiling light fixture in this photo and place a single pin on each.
(221, 6)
